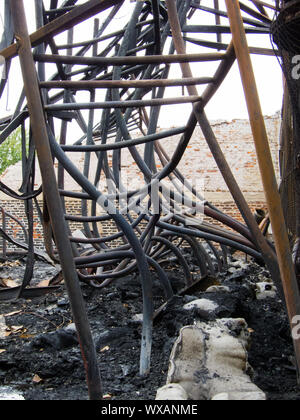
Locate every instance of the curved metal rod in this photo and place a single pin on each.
(197, 251)
(133, 65)
(178, 254)
(128, 232)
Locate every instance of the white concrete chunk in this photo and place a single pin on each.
(201, 304)
(264, 290)
(9, 394)
(173, 392)
(214, 289)
(2, 327)
(240, 396)
(137, 318)
(210, 362)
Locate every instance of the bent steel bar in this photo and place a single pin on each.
(123, 104)
(38, 126)
(118, 61)
(288, 275)
(78, 14)
(129, 233)
(257, 237)
(111, 89)
(97, 84)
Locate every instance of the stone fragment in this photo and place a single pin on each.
(240, 396)
(204, 305)
(138, 318)
(2, 327)
(173, 392)
(213, 289)
(265, 290)
(10, 394)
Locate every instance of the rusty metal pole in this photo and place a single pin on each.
(257, 236)
(40, 135)
(265, 162)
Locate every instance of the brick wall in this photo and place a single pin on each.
(106, 228)
(236, 141)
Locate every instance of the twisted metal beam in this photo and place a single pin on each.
(131, 68)
(39, 132)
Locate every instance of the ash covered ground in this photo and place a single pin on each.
(40, 357)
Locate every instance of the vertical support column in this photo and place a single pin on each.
(265, 162)
(257, 237)
(50, 190)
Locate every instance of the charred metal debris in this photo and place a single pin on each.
(129, 69)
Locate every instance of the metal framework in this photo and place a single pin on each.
(129, 70)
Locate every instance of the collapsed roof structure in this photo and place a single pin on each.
(126, 74)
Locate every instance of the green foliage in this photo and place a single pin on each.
(11, 150)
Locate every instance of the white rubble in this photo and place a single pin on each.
(205, 305)
(265, 290)
(173, 392)
(9, 394)
(2, 327)
(70, 327)
(240, 264)
(209, 361)
(213, 289)
(137, 318)
(240, 396)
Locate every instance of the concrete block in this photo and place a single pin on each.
(265, 290)
(209, 361)
(173, 392)
(205, 305)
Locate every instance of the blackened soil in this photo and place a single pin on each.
(40, 356)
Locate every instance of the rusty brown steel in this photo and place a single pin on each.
(127, 77)
(264, 4)
(99, 84)
(288, 276)
(257, 236)
(62, 23)
(118, 61)
(123, 104)
(40, 135)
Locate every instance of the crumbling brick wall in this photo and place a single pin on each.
(236, 141)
